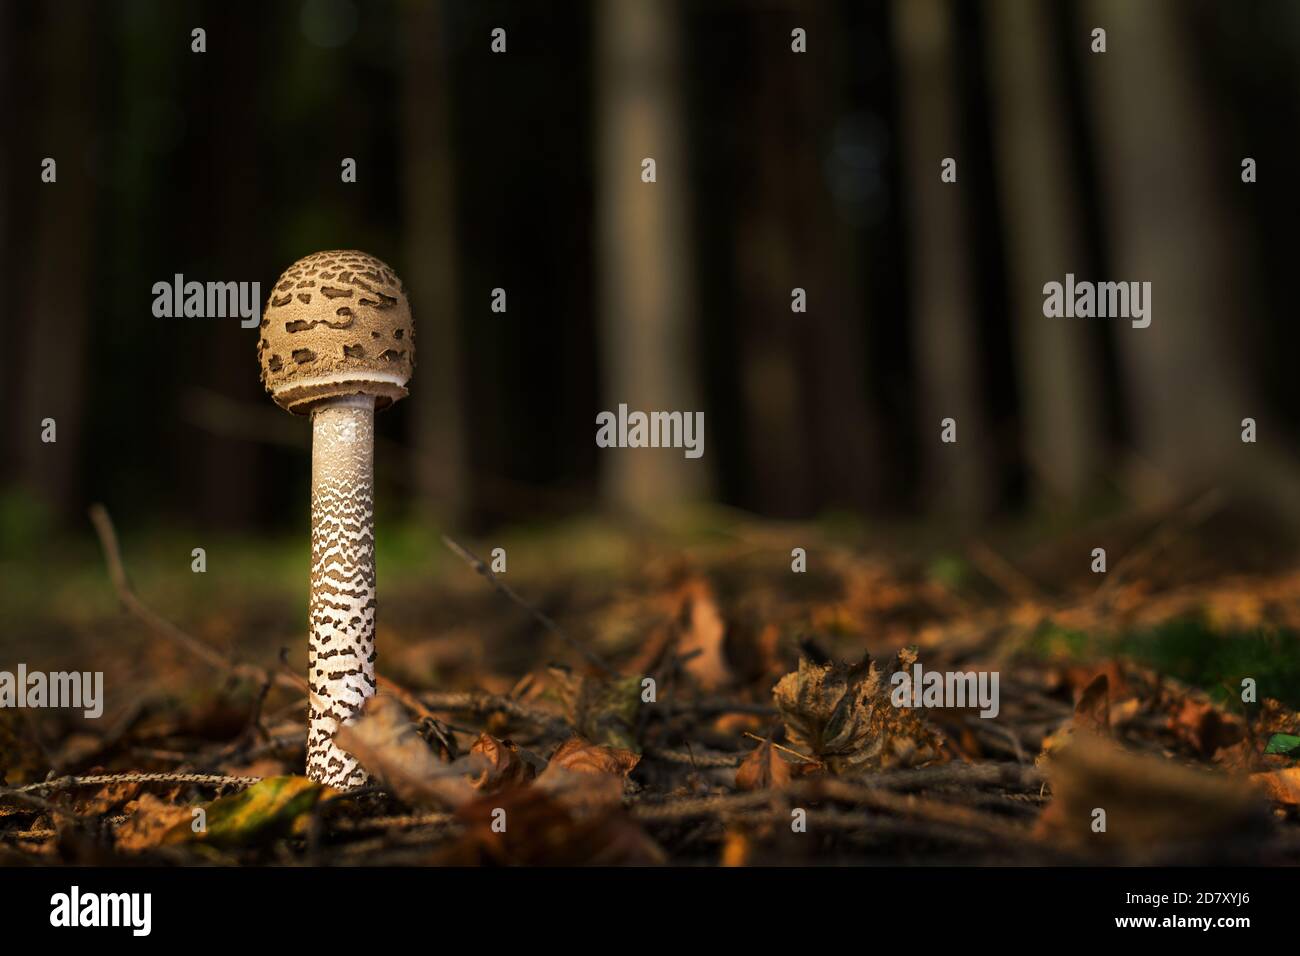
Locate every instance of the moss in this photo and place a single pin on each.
(1189, 649)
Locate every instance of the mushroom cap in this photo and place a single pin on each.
(337, 323)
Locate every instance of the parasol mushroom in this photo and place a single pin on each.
(337, 343)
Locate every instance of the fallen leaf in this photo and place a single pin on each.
(603, 711)
(763, 769)
(843, 715)
(149, 823)
(1203, 726)
(1148, 800)
(582, 756)
(702, 635)
(1091, 715)
(528, 826)
(504, 767)
(1282, 786)
(389, 746)
(736, 849)
(268, 809)
(107, 798)
(1283, 744)
(584, 775)
(1092, 712)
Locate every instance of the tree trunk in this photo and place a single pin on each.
(959, 476)
(809, 433)
(60, 263)
(646, 285)
(438, 440)
(1168, 225)
(1062, 407)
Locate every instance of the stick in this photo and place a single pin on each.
(160, 625)
(803, 758)
(481, 703)
(477, 564)
(107, 779)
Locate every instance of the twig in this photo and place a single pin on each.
(999, 774)
(345, 825)
(1003, 573)
(481, 703)
(30, 799)
(707, 761)
(981, 726)
(99, 517)
(1161, 536)
(785, 750)
(702, 806)
(106, 779)
(478, 565)
(404, 696)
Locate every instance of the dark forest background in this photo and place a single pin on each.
(775, 170)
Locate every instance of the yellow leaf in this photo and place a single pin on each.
(265, 810)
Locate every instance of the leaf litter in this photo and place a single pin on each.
(729, 696)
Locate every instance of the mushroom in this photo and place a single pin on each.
(337, 343)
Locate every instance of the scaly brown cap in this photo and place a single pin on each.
(337, 323)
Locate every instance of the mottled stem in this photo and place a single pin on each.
(341, 612)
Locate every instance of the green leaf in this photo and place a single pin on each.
(1283, 744)
(265, 810)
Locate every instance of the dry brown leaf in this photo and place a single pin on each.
(107, 798)
(388, 745)
(1204, 727)
(703, 633)
(1092, 712)
(584, 776)
(582, 756)
(763, 769)
(1091, 715)
(843, 715)
(150, 821)
(1282, 786)
(504, 766)
(528, 826)
(1077, 678)
(736, 849)
(1148, 800)
(601, 710)
(1124, 713)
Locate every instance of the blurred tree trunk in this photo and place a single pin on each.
(1058, 380)
(808, 431)
(959, 476)
(1166, 226)
(11, 326)
(1170, 225)
(228, 181)
(646, 284)
(57, 276)
(438, 422)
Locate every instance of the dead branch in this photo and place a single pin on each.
(108, 779)
(475, 562)
(99, 517)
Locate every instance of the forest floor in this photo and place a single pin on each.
(697, 704)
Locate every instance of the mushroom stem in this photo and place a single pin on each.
(341, 611)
